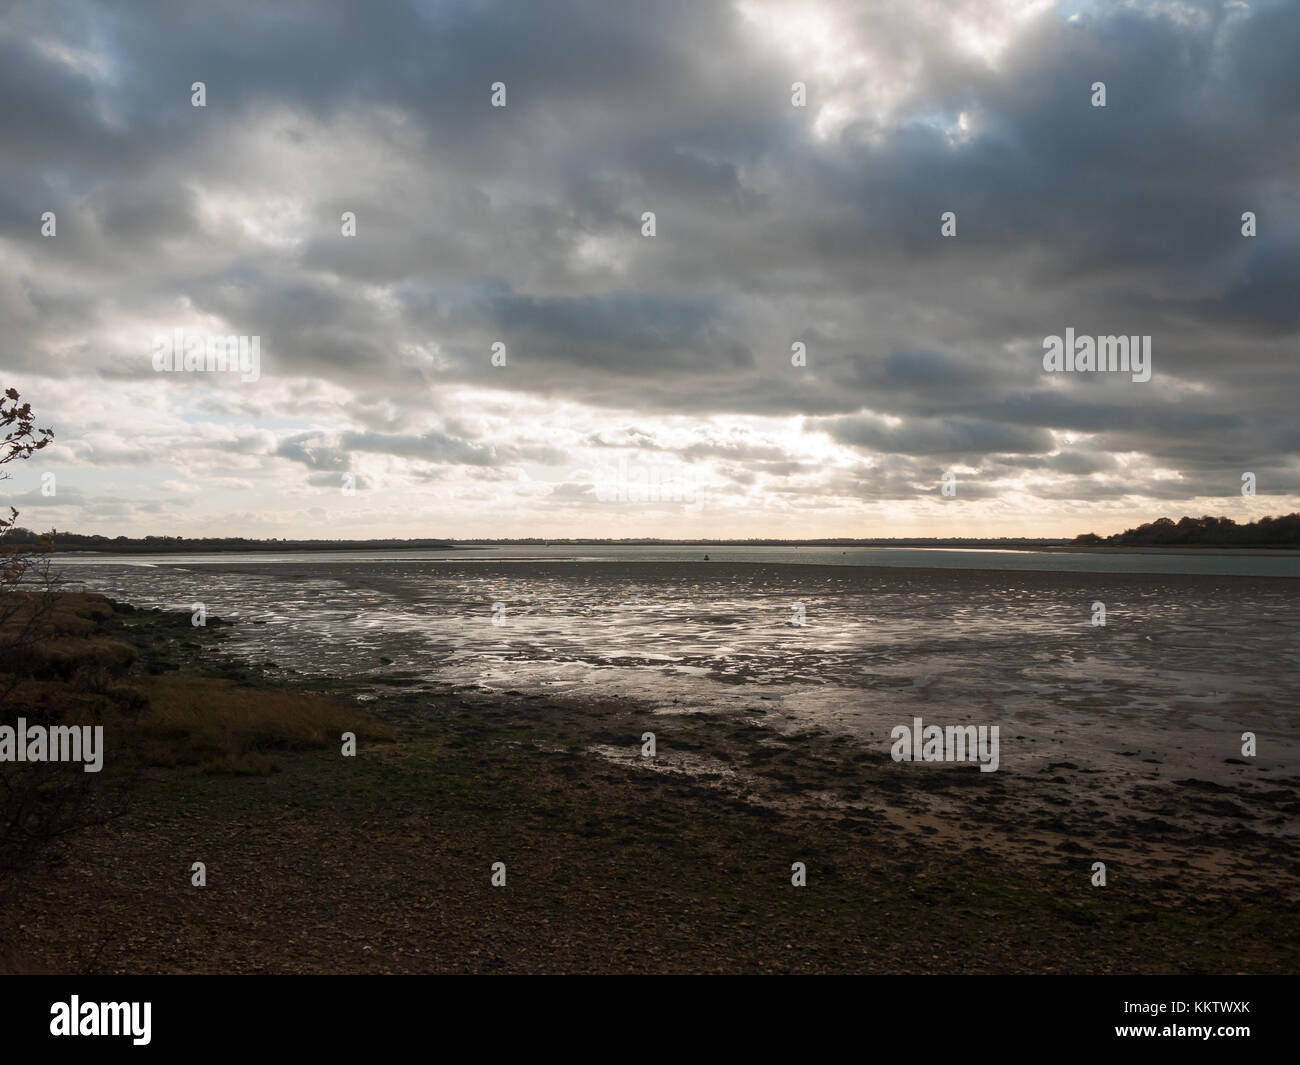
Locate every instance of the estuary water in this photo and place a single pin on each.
(1183, 664)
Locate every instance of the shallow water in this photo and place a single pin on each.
(1182, 667)
(1280, 564)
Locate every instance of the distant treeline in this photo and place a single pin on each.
(1205, 532)
(64, 541)
(1164, 532)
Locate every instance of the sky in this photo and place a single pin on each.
(670, 269)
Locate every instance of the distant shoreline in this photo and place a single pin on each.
(270, 546)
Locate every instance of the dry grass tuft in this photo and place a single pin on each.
(224, 728)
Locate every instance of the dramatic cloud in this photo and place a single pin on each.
(503, 349)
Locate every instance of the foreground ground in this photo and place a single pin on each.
(614, 863)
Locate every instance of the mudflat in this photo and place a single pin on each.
(683, 862)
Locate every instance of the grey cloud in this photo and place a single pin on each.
(934, 436)
(522, 225)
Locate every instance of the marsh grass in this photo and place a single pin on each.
(222, 727)
(70, 657)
